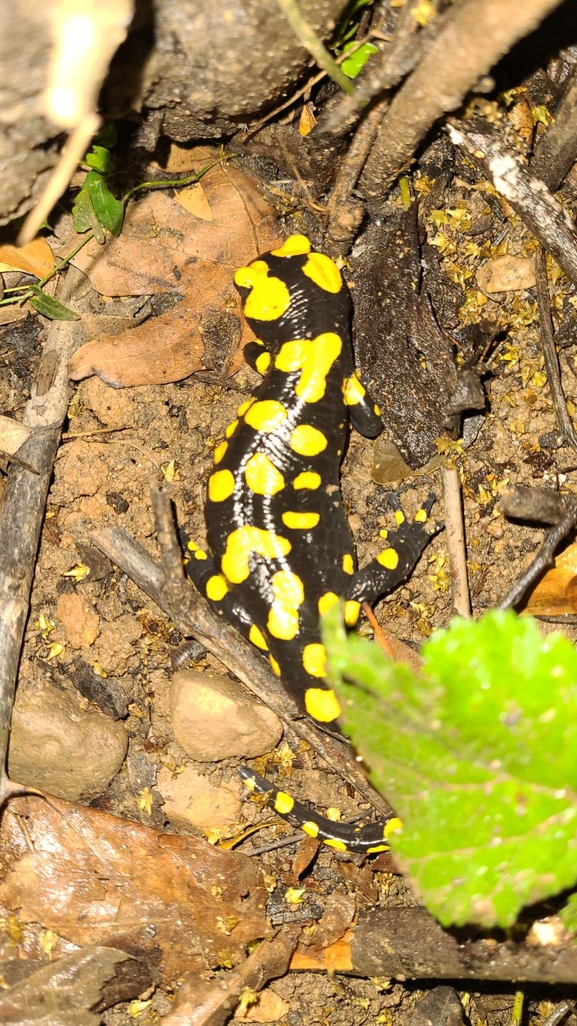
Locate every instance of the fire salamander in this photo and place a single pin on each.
(280, 547)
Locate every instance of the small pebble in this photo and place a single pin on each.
(192, 800)
(506, 274)
(215, 718)
(61, 748)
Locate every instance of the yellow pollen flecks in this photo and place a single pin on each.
(289, 594)
(310, 828)
(332, 842)
(388, 558)
(353, 391)
(266, 415)
(392, 826)
(262, 477)
(269, 297)
(399, 517)
(283, 803)
(352, 611)
(300, 521)
(220, 485)
(242, 543)
(308, 479)
(315, 660)
(220, 451)
(314, 358)
(230, 430)
(421, 516)
(322, 705)
(257, 638)
(262, 363)
(327, 601)
(348, 563)
(324, 272)
(295, 245)
(216, 588)
(274, 666)
(307, 440)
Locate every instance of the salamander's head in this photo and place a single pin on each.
(294, 292)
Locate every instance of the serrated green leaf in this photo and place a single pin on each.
(49, 307)
(108, 210)
(99, 158)
(477, 757)
(355, 63)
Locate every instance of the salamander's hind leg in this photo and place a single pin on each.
(201, 568)
(397, 561)
(257, 356)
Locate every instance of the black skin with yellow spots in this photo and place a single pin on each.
(366, 840)
(280, 547)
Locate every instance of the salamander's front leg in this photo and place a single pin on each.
(201, 568)
(397, 561)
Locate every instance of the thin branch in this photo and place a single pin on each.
(455, 537)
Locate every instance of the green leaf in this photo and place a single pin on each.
(477, 757)
(49, 307)
(84, 218)
(355, 63)
(108, 210)
(100, 159)
(107, 136)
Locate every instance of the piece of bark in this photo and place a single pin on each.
(556, 151)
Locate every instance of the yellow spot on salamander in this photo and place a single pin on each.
(314, 358)
(322, 705)
(352, 610)
(327, 601)
(307, 440)
(245, 406)
(257, 638)
(199, 554)
(399, 517)
(230, 430)
(262, 477)
(283, 803)
(315, 663)
(216, 588)
(377, 410)
(269, 297)
(421, 516)
(348, 563)
(262, 363)
(310, 828)
(324, 272)
(353, 390)
(220, 451)
(245, 541)
(289, 594)
(295, 245)
(220, 485)
(300, 521)
(308, 479)
(333, 843)
(388, 558)
(376, 848)
(392, 826)
(266, 415)
(274, 665)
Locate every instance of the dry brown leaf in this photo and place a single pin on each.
(194, 200)
(556, 593)
(35, 258)
(165, 248)
(91, 877)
